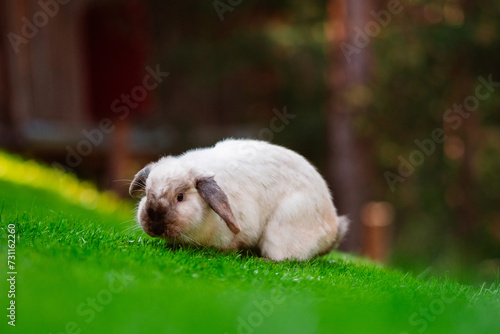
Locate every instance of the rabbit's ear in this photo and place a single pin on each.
(210, 191)
(139, 184)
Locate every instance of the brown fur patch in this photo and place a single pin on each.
(210, 191)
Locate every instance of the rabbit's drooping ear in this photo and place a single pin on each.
(137, 186)
(210, 191)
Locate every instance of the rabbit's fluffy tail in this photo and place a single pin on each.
(343, 227)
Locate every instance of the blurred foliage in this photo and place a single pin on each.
(427, 60)
(53, 186)
(262, 56)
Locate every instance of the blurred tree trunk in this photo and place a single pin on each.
(349, 73)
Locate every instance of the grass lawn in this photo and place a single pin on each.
(81, 270)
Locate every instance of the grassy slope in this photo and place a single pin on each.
(69, 256)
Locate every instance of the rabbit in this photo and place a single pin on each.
(240, 194)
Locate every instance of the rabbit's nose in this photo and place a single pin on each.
(156, 221)
(158, 227)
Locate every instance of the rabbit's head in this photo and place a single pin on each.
(176, 199)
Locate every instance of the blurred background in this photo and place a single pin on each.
(395, 102)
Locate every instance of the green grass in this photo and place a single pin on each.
(80, 270)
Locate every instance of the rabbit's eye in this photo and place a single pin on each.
(180, 197)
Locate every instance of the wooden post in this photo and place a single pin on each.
(377, 218)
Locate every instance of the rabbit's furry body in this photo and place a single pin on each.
(280, 203)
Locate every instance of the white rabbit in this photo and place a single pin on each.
(240, 194)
